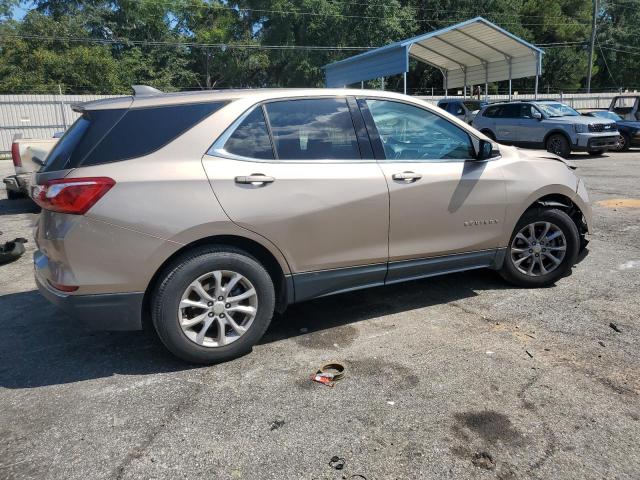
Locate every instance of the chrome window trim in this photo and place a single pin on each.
(217, 149)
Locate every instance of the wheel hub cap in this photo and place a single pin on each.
(218, 308)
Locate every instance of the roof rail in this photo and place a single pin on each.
(145, 91)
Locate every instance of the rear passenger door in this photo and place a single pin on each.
(298, 172)
(506, 123)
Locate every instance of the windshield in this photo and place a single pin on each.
(609, 115)
(557, 110)
(471, 105)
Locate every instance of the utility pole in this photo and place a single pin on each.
(593, 41)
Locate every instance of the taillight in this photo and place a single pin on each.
(71, 195)
(63, 288)
(15, 154)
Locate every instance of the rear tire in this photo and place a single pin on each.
(11, 195)
(558, 144)
(555, 235)
(198, 278)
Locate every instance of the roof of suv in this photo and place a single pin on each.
(224, 95)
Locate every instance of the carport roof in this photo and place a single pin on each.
(467, 53)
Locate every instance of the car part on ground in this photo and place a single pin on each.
(208, 211)
(546, 124)
(12, 250)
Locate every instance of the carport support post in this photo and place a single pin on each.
(509, 78)
(362, 85)
(486, 82)
(537, 74)
(404, 81)
(446, 84)
(382, 83)
(465, 83)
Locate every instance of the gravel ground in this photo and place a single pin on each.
(456, 377)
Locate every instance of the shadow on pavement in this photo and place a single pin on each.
(41, 346)
(17, 206)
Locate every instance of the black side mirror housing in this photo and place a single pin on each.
(485, 149)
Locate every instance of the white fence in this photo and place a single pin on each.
(41, 116)
(37, 116)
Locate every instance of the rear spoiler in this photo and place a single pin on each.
(138, 92)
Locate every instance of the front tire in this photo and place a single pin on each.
(558, 144)
(213, 304)
(543, 248)
(624, 143)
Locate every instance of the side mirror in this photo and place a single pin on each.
(485, 149)
(537, 115)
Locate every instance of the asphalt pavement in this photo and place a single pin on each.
(456, 377)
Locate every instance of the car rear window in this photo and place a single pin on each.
(102, 136)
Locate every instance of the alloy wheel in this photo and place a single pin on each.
(217, 308)
(538, 249)
(555, 145)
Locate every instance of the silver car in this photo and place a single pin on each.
(202, 213)
(551, 125)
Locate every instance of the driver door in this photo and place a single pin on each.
(443, 202)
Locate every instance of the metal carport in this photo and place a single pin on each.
(468, 53)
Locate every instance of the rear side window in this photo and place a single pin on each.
(251, 138)
(315, 129)
(101, 136)
(61, 152)
(491, 111)
(144, 130)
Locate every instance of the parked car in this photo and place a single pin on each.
(207, 211)
(465, 110)
(551, 125)
(629, 129)
(627, 106)
(28, 156)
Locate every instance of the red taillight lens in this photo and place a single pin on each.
(63, 288)
(71, 195)
(15, 154)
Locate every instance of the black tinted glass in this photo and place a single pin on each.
(61, 152)
(145, 130)
(510, 111)
(491, 112)
(314, 129)
(251, 138)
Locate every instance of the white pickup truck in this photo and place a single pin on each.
(28, 155)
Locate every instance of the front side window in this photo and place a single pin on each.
(314, 129)
(251, 138)
(413, 133)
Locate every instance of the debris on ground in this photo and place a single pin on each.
(329, 374)
(276, 424)
(483, 460)
(615, 327)
(529, 353)
(10, 251)
(337, 462)
(601, 343)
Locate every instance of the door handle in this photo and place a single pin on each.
(255, 178)
(407, 176)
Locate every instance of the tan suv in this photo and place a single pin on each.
(207, 211)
